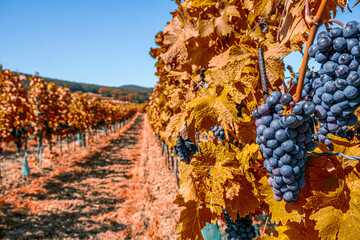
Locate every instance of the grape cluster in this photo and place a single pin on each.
(241, 229)
(284, 134)
(219, 132)
(185, 149)
(336, 91)
(310, 77)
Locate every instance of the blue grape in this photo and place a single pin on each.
(324, 43)
(336, 32)
(350, 92)
(286, 170)
(266, 120)
(286, 158)
(345, 59)
(329, 67)
(339, 96)
(353, 79)
(351, 42)
(339, 44)
(327, 98)
(286, 99)
(313, 49)
(354, 65)
(264, 109)
(321, 57)
(280, 135)
(355, 51)
(342, 71)
(334, 56)
(350, 31)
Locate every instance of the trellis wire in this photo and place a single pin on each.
(336, 154)
(261, 21)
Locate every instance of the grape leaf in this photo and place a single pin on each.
(300, 231)
(281, 211)
(192, 219)
(342, 145)
(320, 173)
(279, 231)
(250, 152)
(241, 197)
(212, 108)
(187, 185)
(215, 196)
(202, 3)
(337, 214)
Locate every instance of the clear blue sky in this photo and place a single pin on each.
(101, 42)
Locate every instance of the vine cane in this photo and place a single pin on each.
(315, 24)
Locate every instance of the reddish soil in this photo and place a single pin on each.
(116, 188)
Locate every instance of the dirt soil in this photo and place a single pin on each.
(118, 187)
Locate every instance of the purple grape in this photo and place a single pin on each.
(350, 92)
(339, 44)
(342, 71)
(264, 109)
(353, 79)
(329, 67)
(324, 43)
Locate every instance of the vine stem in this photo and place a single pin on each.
(333, 21)
(315, 24)
(267, 220)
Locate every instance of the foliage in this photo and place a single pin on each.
(51, 110)
(218, 37)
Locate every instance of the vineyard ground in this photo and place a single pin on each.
(116, 188)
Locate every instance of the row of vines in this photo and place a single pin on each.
(209, 78)
(46, 111)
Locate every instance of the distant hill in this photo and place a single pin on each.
(131, 93)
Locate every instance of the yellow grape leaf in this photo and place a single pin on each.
(301, 231)
(277, 50)
(206, 27)
(274, 71)
(199, 53)
(293, 21)
(192, 219)
(187, 185)
(342, 145)
(250, 152)
(328, 223)
(339, 214)
(202, 3)
(280, 232)
(215, 197)
(207, 110)
(241, 197)
(319, 173)
(203, 162)
(281, 211)
(173, 128)
(222, 26)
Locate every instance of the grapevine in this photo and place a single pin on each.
(224, 38)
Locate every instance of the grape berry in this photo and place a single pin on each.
(185, 149)
(241, 229)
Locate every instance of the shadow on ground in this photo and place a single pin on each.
(72, 185)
